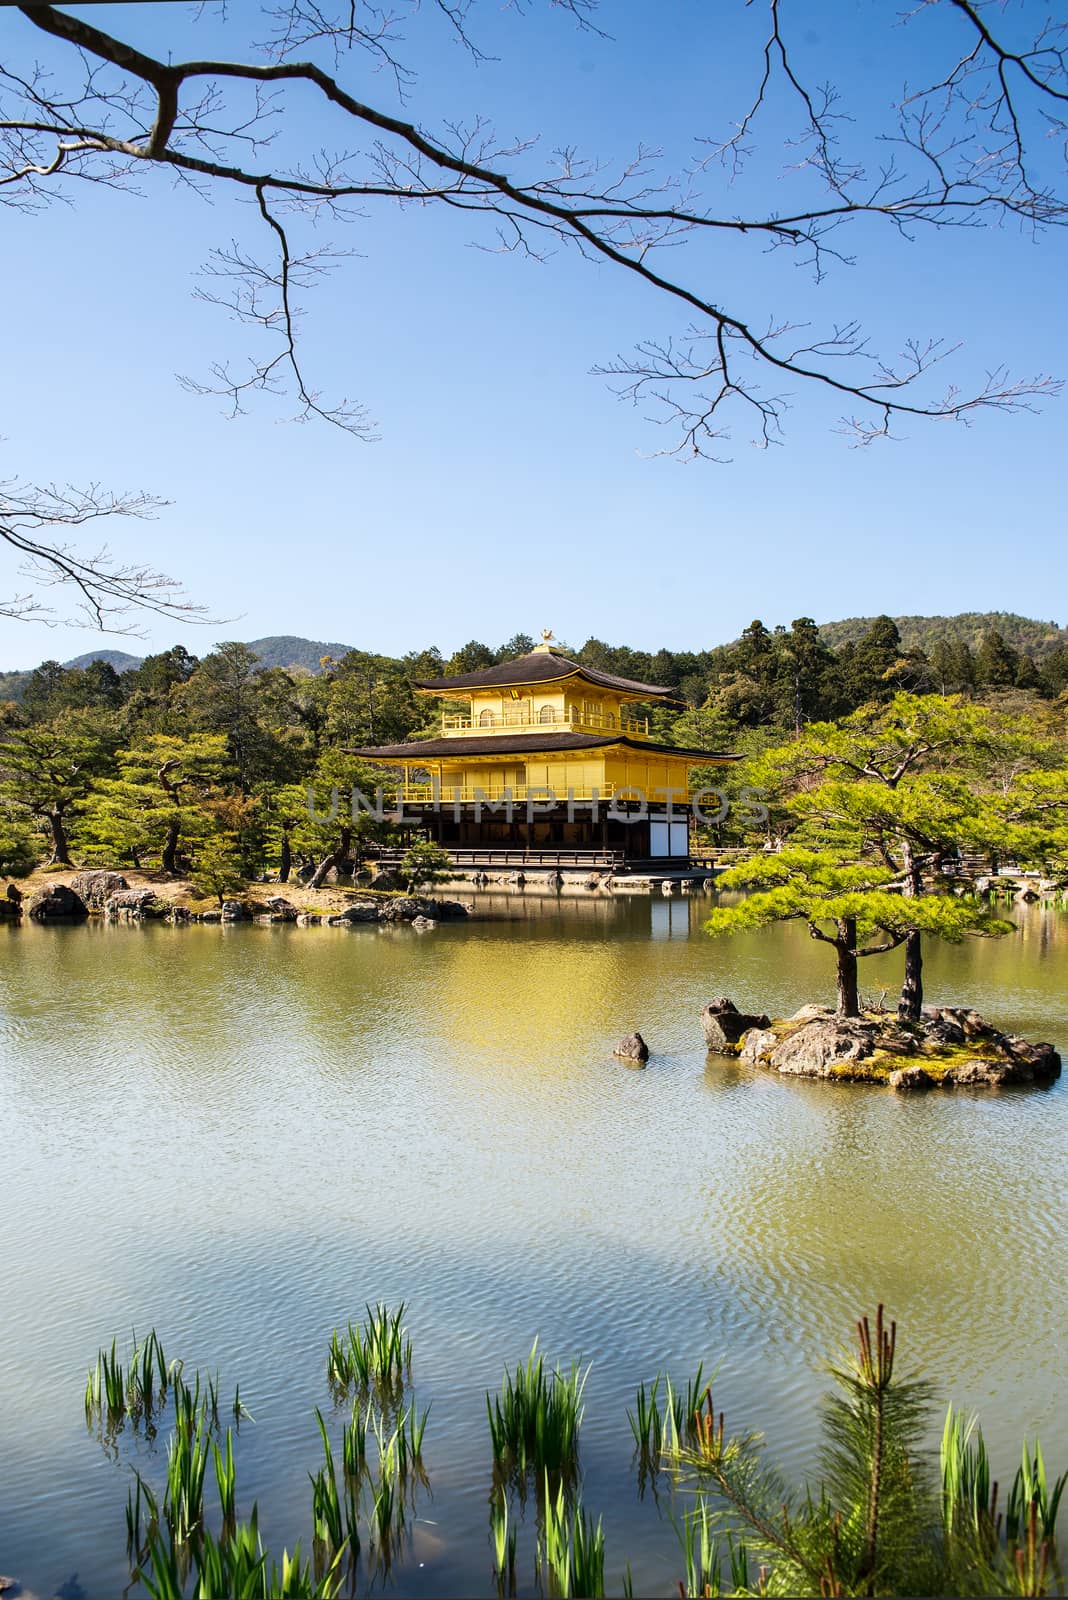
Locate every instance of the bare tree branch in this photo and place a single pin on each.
(960, 152)
(106, 590)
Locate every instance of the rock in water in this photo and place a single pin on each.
(632, 1048)
(725, 1025)
(909, 1079)
(57, 903)
(97, 887)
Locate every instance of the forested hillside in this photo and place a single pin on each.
(1036, 639)
(180, 759)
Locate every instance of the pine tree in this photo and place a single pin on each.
(895, 791)
(46, 772)
(160, 801)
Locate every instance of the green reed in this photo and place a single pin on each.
(1030, 1492)
(354, 1443)
(377, 1354)
(140, 1496)
(226, 1479)
(571, 1552)
(657, 1426)
(703, 1554)
(235, 1567)
(969, 1496)
(534, 1421)
(504, 1540)
(187, 1461)
(327, 1521)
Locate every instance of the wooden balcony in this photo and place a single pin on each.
(546, 721)
(447, 794)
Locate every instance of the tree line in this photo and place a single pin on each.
(204, 765)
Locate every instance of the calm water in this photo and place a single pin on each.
(241, 1135)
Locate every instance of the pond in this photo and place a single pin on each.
(241, 1135)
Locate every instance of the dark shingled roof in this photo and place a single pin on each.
(500, 744)
(541, 666)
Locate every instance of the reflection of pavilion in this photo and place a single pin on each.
(550, 762)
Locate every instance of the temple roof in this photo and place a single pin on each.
(519, 744)
(541, 666)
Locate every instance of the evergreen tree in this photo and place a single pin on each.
(160, 800)
(996, 663)
(47, 771)
(903, 787)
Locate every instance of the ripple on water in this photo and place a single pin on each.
(241, 1138)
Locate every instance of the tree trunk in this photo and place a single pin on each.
(910, 1005)
(169, 858)
(846, 946)
(60, 848)
(286, 865)
(334, 859)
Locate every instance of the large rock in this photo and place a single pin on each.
(407, 907)
(97, 887)
(816, 1047)
(810, 1013)
(361, 911)
(386, 878)
(281, 910)
(57, 903)
(134, 905)
(235, 911)
(758, 1045)
(725, 1026)
(632, 1048)
(907, 1080)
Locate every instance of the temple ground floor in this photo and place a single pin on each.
(601, 838)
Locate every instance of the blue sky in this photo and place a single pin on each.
(510, 489)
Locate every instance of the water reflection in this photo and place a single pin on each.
(242, 1135)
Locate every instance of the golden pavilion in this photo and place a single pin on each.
(550, 762)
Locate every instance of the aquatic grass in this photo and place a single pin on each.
(571, 1552)
(646, 1421)
(234, 1566)
(161, 1573)
(403, 1448)
(377, 1354)
(187, 1461)
(137, 1497)
(969, 1496)
(651, 1423)
(354, 1443)
(326, 1506)
(226, 1479)
(504, 1539)
(534, 1421)
(115, 1392)
(1030, 1498)
(703, 1555)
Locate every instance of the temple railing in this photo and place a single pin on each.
(520, 793)
(587, 721)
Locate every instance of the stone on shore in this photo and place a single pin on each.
(97, 887)
(632, 1048)
(725, 1025)
(57, 903)
(134, 905)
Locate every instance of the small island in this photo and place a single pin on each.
(948, 1047)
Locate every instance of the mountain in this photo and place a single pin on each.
(114, 658)
(1036, 639)
(279, 650)
(289, 650)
